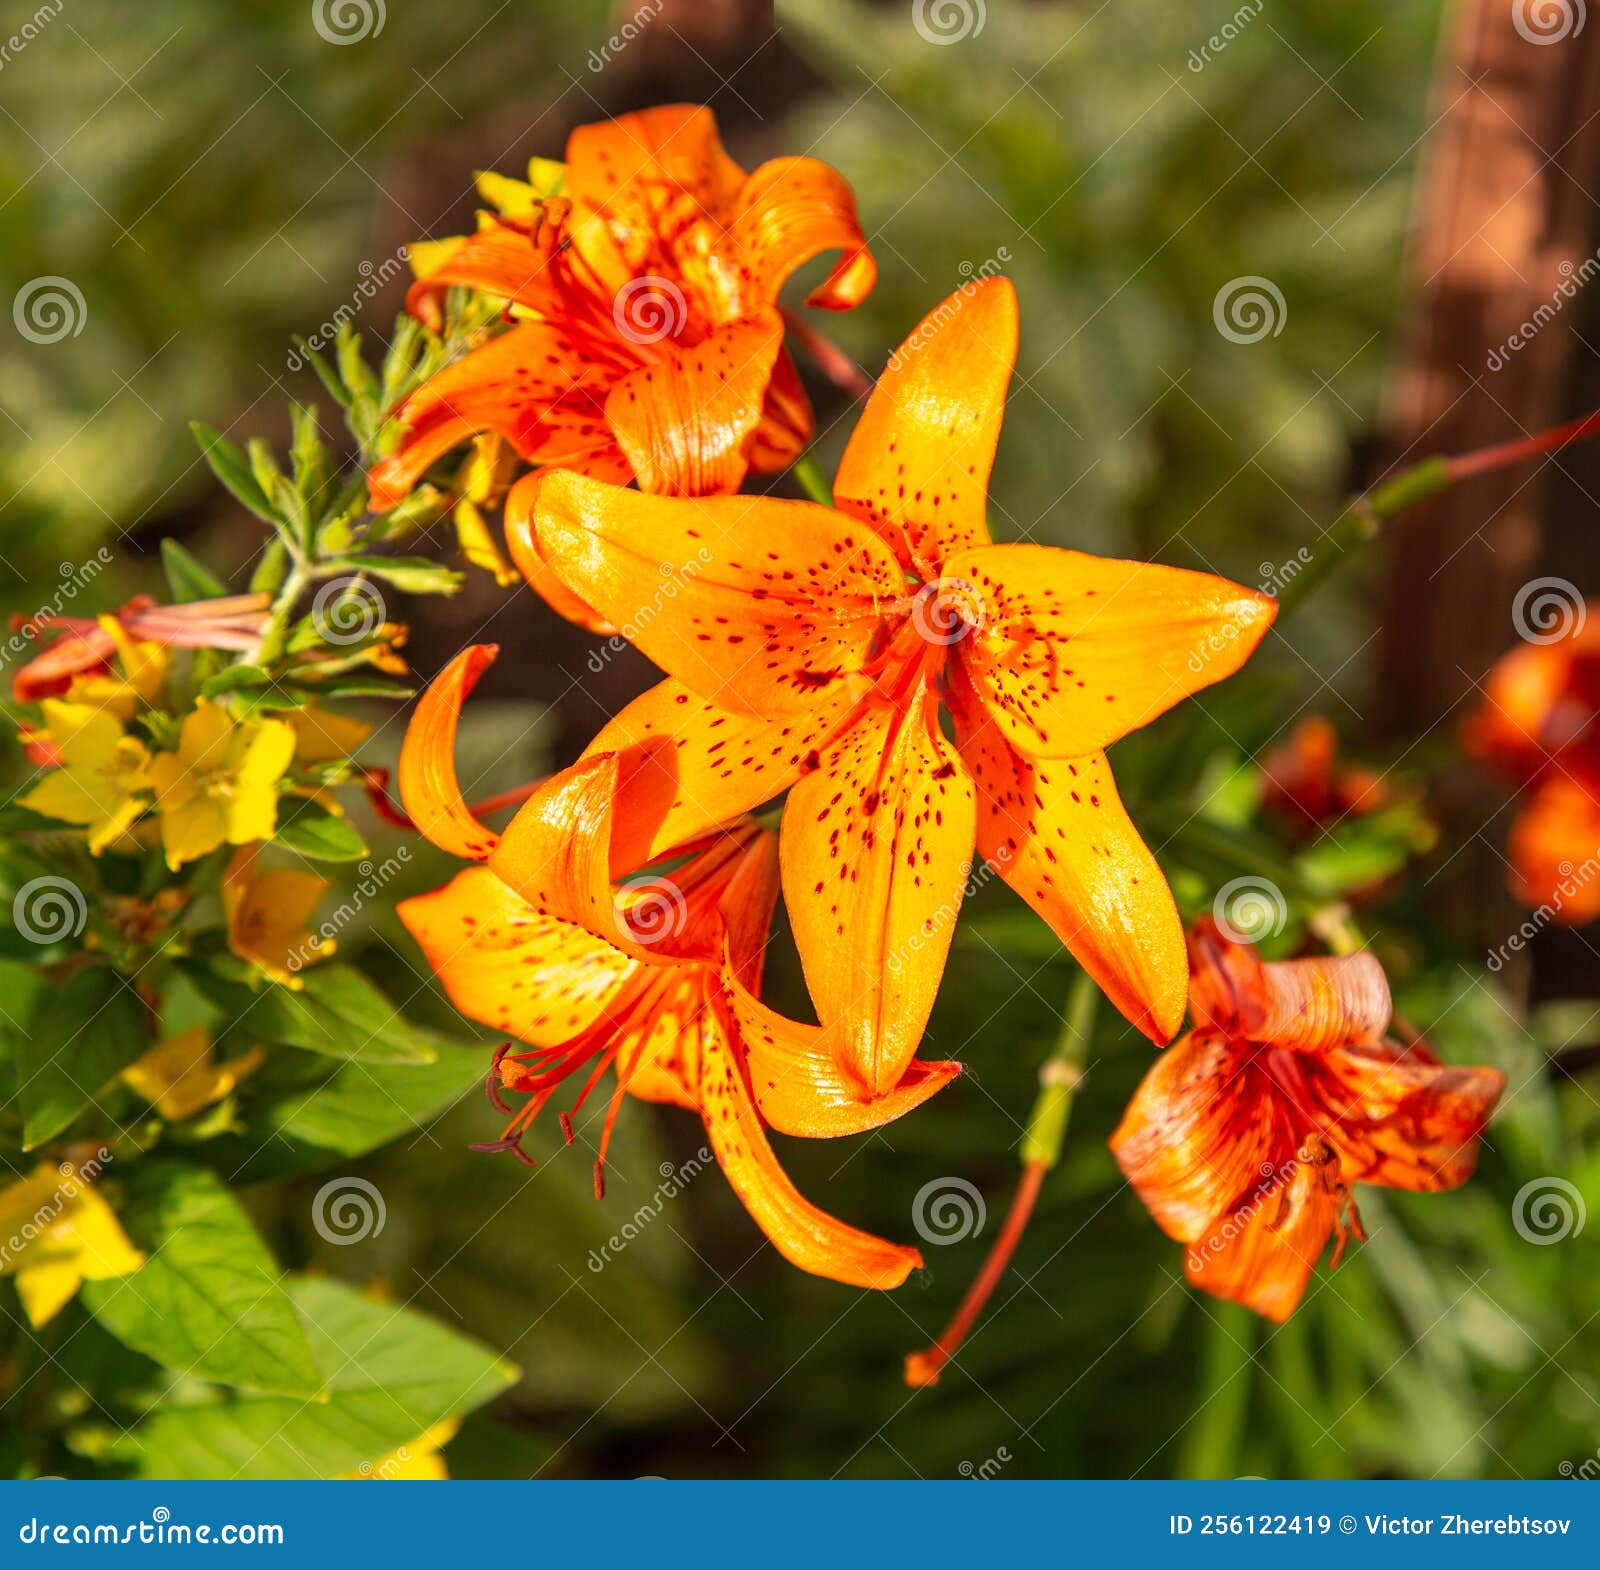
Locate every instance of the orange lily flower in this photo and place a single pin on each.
(655, 980)
(1539, 723)
(1308, 784)
(647, 338)
(1245, 1138)
(810, 649)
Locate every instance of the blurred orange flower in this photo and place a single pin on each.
(1539, 724)
(647, 341)
(1245, 1138)
(810, 649)
(1308, 785)
(654, 980)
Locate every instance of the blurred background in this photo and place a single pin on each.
(1400, 187)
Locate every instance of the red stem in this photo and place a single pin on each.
(922, 1368)
(830, 359)
(376, 784)
(1503, 453)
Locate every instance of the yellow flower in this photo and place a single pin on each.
(267, 914)
(143, 667)
(482, 480)
(324, 737)
(221, 786)
(103, 775)
(420, 1461)
(178, 1078)
(521, 199)
(56, 1233)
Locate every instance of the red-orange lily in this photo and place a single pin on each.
(654, 980)
(809, 649)
(1245, 1138)
(1309, 785)
(647, 338)
(1539, 724)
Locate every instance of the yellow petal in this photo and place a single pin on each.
(428, 256)
(419, 1461)
(478, 545)
(266, 753)
(85, 737)
(204, 738)
(193, 830)
(47, 1289)
(322, 736)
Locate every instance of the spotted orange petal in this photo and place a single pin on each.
(805, 1235)
(522, 543)
(790, 210)
(686, 422)
(876, 847)
(1072, 652)
(1057, 832)
(428, 784)
(690, 766)
(917, 467)
(761, 606)
(509, 966)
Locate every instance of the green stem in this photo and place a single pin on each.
(810, 478)
(1060, 1076)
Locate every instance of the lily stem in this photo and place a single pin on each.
(810, 478)
(1363, 519)
(1059, 1078)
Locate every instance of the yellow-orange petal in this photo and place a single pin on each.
(690, 766)
(1071, 652)
(876, 847)
(790, 210)
(524, 548)
(686, 422)
(428, 784)
(533, 386)
(509, 966)
(798, 1084)
(760, 605)
(917, 467)
(1057, 832)
(805, 1235)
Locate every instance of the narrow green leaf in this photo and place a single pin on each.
(82, 1035)
(409, 574)
(233, 469)
(188, 577)
(209, 1300)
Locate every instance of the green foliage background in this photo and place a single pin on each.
(213, 185)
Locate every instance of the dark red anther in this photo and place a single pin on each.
(599, 1180)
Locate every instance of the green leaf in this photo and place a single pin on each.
(187, 576)
(208, 1300)
(82, 1035)
(392, 1375)
(236, 678)
(325, 372)
(316, 833)
(338, 1013)
(409, 574)
(233, 469)
(271, 569)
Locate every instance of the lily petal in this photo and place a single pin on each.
(876, 847)
(686, 423)
(761, 606)
(806, 1236)
(428, 784)
(524, 548)
(509, 966)
(1058, 833)
(1072, 652)
(917, 467)
(791, 209)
